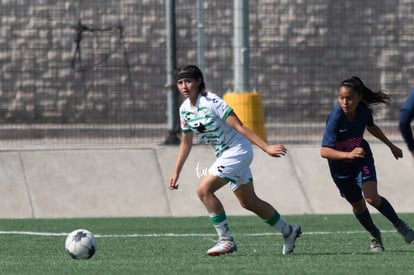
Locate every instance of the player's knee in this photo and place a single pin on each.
(201, 192)
(369, 200)
(373, 200)
(245, 204)
(251, 204)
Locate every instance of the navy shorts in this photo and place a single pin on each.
(351, 189)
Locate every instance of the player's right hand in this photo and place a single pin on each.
(358, 152)
(172, 184)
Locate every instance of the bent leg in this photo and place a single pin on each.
(362, 214)
(371, 195)
(208, 185)
(386, 209)
(370, 191)
(206, 189)
(249, 200)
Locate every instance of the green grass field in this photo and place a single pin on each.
(330, 244)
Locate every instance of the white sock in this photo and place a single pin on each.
(283, 226)
(223, 230)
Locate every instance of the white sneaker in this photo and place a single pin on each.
(376, 245)
(222, 247)
(289, 241)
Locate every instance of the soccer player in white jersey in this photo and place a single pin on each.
(215, 123)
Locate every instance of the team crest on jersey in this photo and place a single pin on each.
(187, 116)
(200, 127)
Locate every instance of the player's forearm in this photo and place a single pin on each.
(183, 152)
(379, 134)
(253, 137)
(333, 154)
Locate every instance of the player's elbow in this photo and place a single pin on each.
(323, 152)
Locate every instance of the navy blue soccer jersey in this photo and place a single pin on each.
(409, 102)
(345, 135)
(406, 116)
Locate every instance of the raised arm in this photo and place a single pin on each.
(277, 150)
(377, 132)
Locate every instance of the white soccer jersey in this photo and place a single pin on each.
(207, 120)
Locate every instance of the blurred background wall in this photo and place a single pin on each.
(94, 72)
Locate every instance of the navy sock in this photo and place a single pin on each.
(386, 209)
(366, 221)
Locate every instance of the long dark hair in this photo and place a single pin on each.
(368, 96)
(191, 71)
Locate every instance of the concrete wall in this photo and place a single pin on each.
(132, 182)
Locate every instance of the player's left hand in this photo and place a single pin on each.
(276, 150)
(396, 151)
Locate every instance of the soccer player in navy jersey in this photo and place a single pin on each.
(215, 123)
(350, 158)
(406, 117)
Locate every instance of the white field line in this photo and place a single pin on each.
(175, 235)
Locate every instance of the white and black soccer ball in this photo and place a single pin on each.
(80, 244)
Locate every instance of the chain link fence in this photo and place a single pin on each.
(94, 72)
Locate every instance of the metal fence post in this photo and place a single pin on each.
(172, 93)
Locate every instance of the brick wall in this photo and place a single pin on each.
(299, 50)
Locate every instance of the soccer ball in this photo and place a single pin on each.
(80, 244)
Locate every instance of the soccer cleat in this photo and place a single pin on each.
(376, 245)
(222, 247)
(405, 231)
(289, 240)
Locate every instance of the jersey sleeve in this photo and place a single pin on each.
(370, 119)
(220, 108)
(406, 117)
(330, 134)
(185, 128)
(405, 128)
(409, 103)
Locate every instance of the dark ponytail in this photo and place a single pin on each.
(368, 96)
